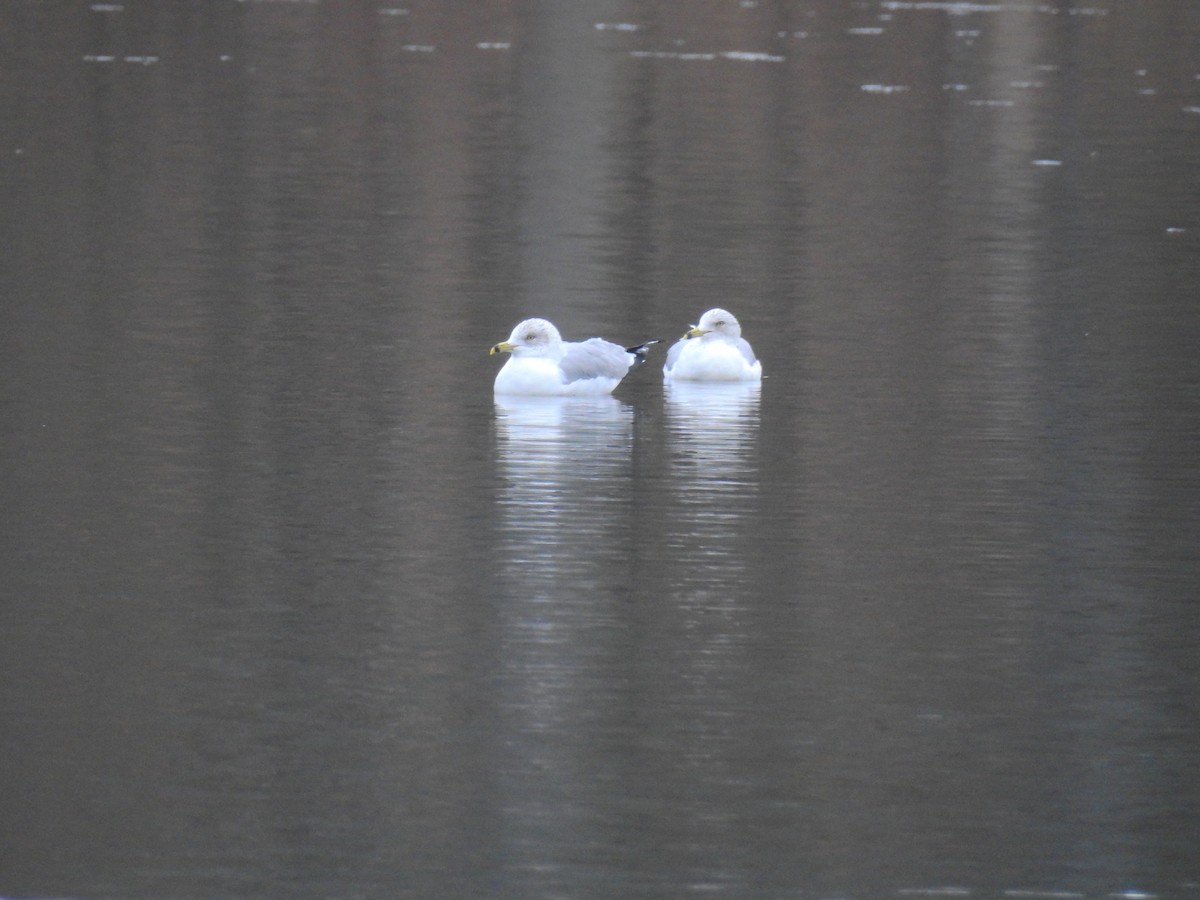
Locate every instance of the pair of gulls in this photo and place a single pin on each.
(543, 363)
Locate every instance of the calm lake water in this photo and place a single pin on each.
(291, 607)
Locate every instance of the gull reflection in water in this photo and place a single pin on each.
(713, 466)
(564, 467)
(565, 510)
(710, 627)
(715, 417)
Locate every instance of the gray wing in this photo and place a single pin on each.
(744, 345)
(594, 358)
(673, 353)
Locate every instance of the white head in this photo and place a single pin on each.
(533, 337)
(716, 321)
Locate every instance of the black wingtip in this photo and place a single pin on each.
(641, 350)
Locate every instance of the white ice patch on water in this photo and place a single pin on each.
(954, 8)
(670, 54)
(134, 60)
(617, 26)
(493, 45)
(1047, 162)
(736, 55)
(885, 88)
(743, 56)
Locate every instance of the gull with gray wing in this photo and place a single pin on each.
(542, 363)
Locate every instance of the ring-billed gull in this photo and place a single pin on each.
(713, 350)
(543, 363)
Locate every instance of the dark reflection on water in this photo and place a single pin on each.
(292, 606)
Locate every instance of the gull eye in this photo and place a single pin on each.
(721, 324)
(530, 336)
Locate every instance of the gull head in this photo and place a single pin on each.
(716, 321)
(533, 337)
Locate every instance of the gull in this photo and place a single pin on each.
(713, 350)
(543, 363)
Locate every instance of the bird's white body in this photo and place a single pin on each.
(539, 376)
(543, 364)
(713, 350)
(532, 376)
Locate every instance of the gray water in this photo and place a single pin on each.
(292, 608)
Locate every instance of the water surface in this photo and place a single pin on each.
(293, 606)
